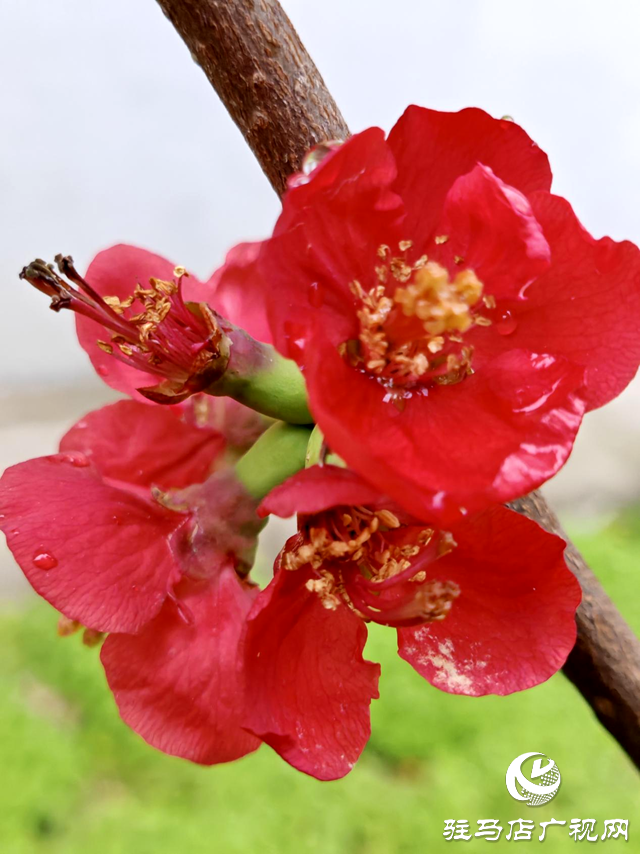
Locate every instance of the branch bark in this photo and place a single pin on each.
(604, 665)
(255, 60)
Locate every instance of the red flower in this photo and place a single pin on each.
(489, 610)
(142, 319)
(99, 536)
(452, 318)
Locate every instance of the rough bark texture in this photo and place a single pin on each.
(254, 59)
(264, 76)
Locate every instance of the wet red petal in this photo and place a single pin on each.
(111, 564)
(328, 235)
(178, 684)
(432, 149)
(318, 488)
(308, 687)
(513, 624)
(587, 306)
(492, 437)
(491, 227)
(233, 285)
(145, 445)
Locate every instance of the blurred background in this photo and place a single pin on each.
(111, 133)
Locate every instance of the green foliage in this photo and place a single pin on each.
(74, 779)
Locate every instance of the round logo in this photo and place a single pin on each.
(543, 785)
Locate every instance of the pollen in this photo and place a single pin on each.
(434, 600)
(326, 588)
(441, 304)
(412, 321)
(366, 559)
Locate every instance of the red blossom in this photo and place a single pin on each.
(127, 531)
(150, 329)
(452, 318)
(485, 609)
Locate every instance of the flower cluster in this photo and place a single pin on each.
(415, 345)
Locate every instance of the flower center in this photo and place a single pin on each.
(412, 323)
(153, 330)
(377, 566)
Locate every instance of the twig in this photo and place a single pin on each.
(604, 665)
(256, 62)
(264, 76)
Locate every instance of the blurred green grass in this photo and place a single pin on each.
(75, 779)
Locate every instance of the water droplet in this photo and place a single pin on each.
(315, 294)
(399, 398)
(102, 371)
(438, 500)
(317, 154)
(44, 560)
(295, 342)
(76, 459)
(507, 323)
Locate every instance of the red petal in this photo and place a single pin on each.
(107, 561)
(316, 489)
(115, 272)
(492, 228)
(433, 149)
(178, 683)
(493, 436)
(513, 624)
(328, 236)
(362, 164)
(308, 687)
(145, 445)
(587, 307)
(233, 285)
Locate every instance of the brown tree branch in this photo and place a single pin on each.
(604, 665)
(256, 62)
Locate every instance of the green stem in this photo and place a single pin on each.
(260, 378)
(278, 453)
(318, 453)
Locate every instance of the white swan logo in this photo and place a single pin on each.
(544, 771)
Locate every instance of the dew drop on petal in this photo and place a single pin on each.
(315, 294)
(76, 459)
(316, 155)
(507, 324)
(294, 342)
(102, 371)
(45, 560)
